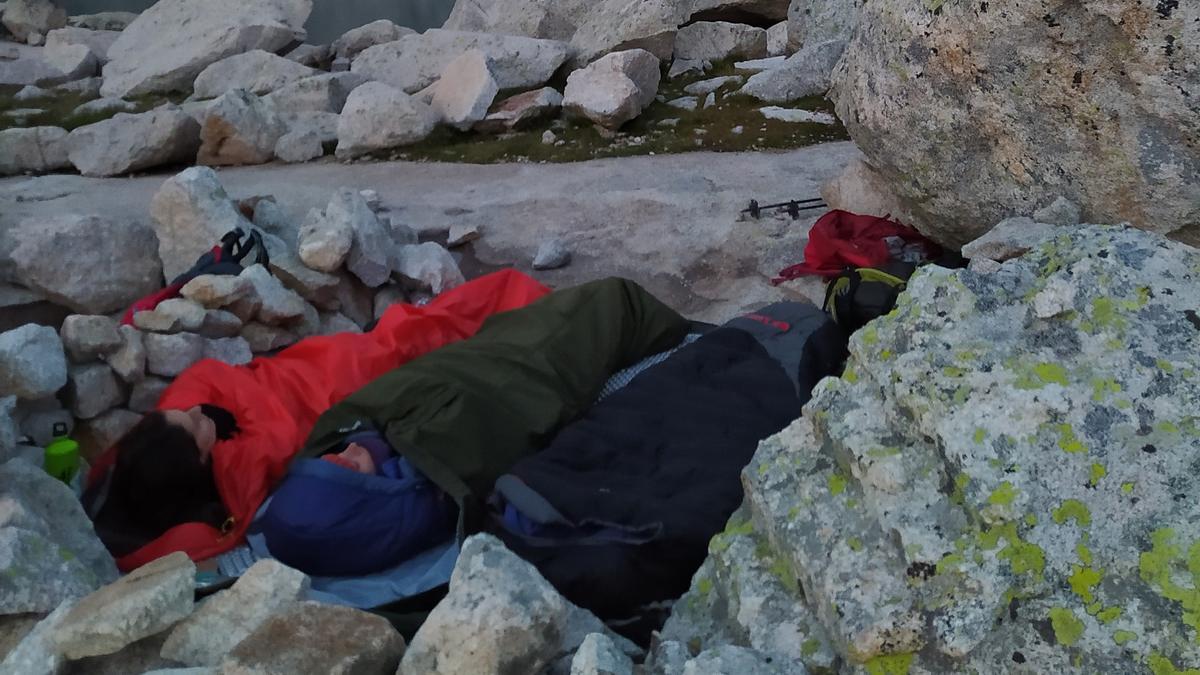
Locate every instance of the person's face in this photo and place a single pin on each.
(196, 423)
(358, 456)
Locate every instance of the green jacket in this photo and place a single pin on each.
(465, 413)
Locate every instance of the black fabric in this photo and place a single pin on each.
(223, 420)
(667, 449)
(786, 330)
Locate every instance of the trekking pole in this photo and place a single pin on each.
(793, 207)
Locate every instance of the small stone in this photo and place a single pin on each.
(89, 336)
(429, 266)
(681, 67)
(1059, 212)
(614, 89)
(551, 255)
(129, 360)
(795, 116)
(373, 200)
(170, 316)
(219, 323)
(232, 350)
(93, 389)
(386, 297)
(30, 92)
(170, 355)
(461, 234)
(777, 39)
(148, 600)
(105, 105)
(299, 146)
(373, 250)
(737, 130)
(32, 362)
(684, 103)
(264, 338)
(145, 395)
(548, 137)
(214, 291)
(710, 100)
(207, 636)
(598, 655)
(336, 322)
(710, 85)
(325, 241)
(279, 305)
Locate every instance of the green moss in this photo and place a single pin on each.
(1096, 473)
(1003, 495)
(1073, 509)
(892, 664)
(1122, 637)
(1161, 665)
(1067, 628)
(836, 483)
(811, 646)
(1083, 580)
(1068, 441)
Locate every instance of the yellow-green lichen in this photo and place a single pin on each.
(1127, 488)
(980, 435)
(811, 646)
(870, 335)
(1161, 665)
(1068, 441)
(1031, 519)
(836, 483)
(704, 586)
(1096, 473)
(855, 544)
(953, 371)
(1083, 580)
(850, 376)
(1003, 495)
(1084, 553)
(1155, 568)
(1073, 509)
(1022, 556)
(1109, 615)
(1040, 375)
(1067, 627)
(1122, 637)
(1101, 386)
(892, 664)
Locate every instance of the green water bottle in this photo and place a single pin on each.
(62, 455)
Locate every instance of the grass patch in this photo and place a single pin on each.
(711, 129)
(58, 108)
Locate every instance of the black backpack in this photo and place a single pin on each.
(860, 294)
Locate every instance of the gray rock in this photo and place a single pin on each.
(239, 128)
(415, 61)
(521, 111)
(29, 70)
(805, 73)
(31, 93)
(214, 291)
(720, 41)
(100, 433)
(51, 553)
(128, 361)
(264, 338)
(613, 26)
(813, 21)
(35, 149)
(355, 40)
(796, 116)
(336, 322)
(313, 56)
(32, 362)
(187, 36)
(373, 200)
(279, 305)
(462, 234)
(614, 89)
(760, 65)
(325, 241)
(36, 654)
(170, 355)
(258, 72)
(372, 252)
(93, 389)
(200, 670)
(321, 93)
(500, 615)
(117, 21)
(97, 41)
(1028, 148)
(704, 87)
(299, 146)
(377, 117)
(207, 636)
(1009, 239)
(15, 627)
(104, 105)
(598, 655)
(146, 393)
(191, 211)
(89, 336)
(386, 297)
(429, 266)
(148, 600)
(87, 88)
(9, 432)
(551, 254)
(1059, 212)
(74, 61)
(731, 660)
(777, 40)
(171, 316)
(232, 350)
(465, 90)
(340, 64)
(23, 18)
(681, 67)
(321, 125)
(312, 637)
(134, 141)
(220, 324)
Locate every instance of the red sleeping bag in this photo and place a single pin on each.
(840, 239)
(276, 400)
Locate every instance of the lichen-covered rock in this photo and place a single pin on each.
(810, 21)
(239, 128)
(988, 483)
(1107, 121)
(207, 636)
(465, 90)
(89, 336)
(32, 362)
(316, 638)
(258, 72)
(377, 117)
(33, 149)
(720, 40)
(134, 141)
(69, 259)
(50, 552)
(731, 660)
(500, 616)
(148, 600)
(614, 89)
(169, 44)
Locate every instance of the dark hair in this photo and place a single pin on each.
(158, 481)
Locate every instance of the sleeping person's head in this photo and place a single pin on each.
(162, 477)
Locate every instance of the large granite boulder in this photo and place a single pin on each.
(33, 149)
(355, 40)
(115, 21)
(465, 91)
(378, 116)
(32, 362)
(719, 41)
(191, 211)
(415, 61)
(372, 252)
(614, 89)
(50, 552)
(69, 259)
(258, 72)
(97, 41)
(25, 18)
(170, 43)
(500, 616)
(805, 73)
(326, 93)
(546, 19)
(74, 61)
(239, 128)
(134, 141)
(1001, 474)
(811, 21)
(974, 115)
